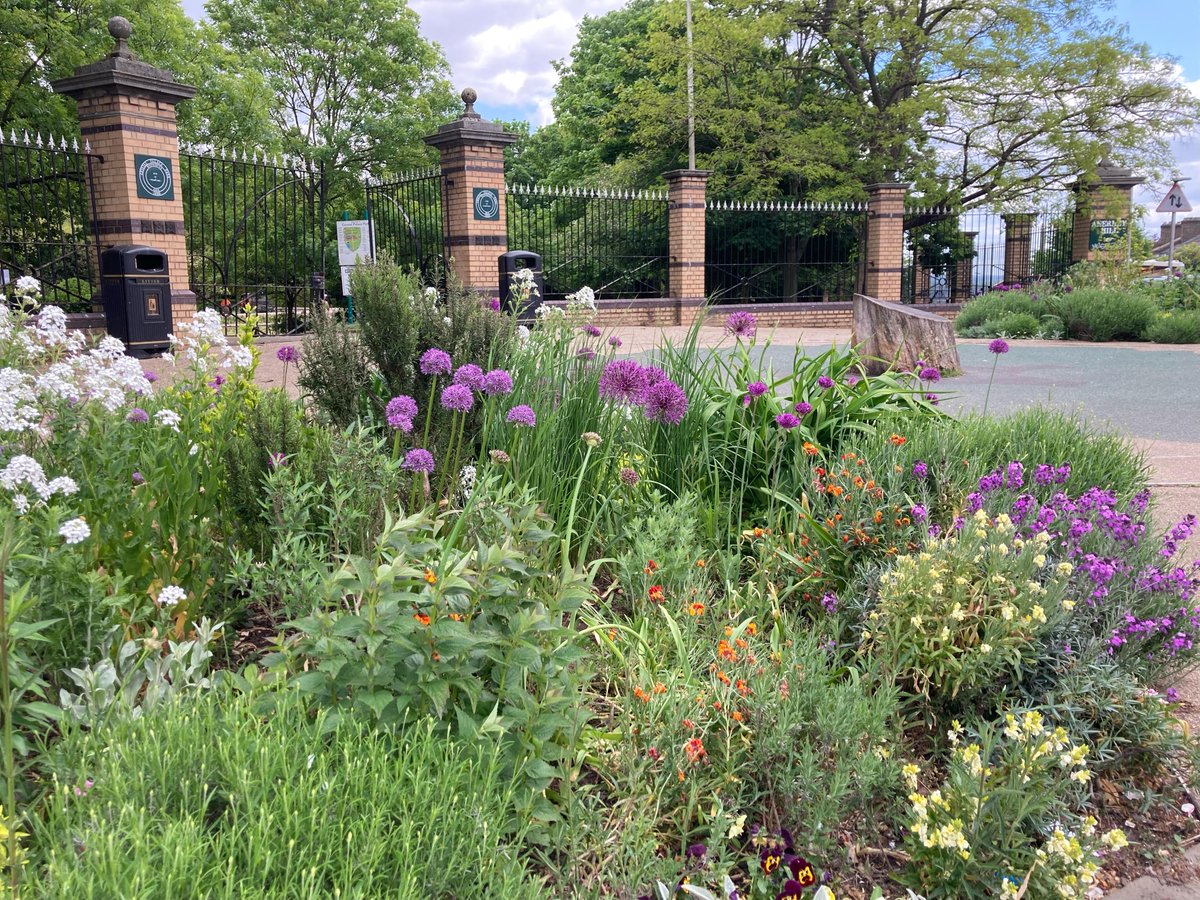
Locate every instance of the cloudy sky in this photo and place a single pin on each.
(503, 49)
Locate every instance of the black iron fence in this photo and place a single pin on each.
(256, 236)
(951, 255)
(613, 241)
(47, 206)
(784, 251)
(406, 215)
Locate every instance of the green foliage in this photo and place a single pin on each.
(981, 317)
(438, 621)
(957, 622)
(296, 805)
(1007, 814)
(1175, 328)
(1096, 314)
(1018, 325)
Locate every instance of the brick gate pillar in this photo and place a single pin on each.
(126, 111)
(1102, 206)
(685, 237)
(473, 201)
(1018, 247)
(884, 263)
(961, 287)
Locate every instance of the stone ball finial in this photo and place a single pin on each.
(119, 28)
(468, 98)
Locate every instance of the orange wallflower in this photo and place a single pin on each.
(898, 440)
(742, 687)
(651, 567)
(694, 749)
(723, 678)
(696, 609)
(457, 617)
(751, 629)
(810, 448)
(659, 687)
(656, 593)
(701, 563)
(724, 651)
(737, 715)
(430, 577)
(422, 618)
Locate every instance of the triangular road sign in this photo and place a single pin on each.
(1175, 201)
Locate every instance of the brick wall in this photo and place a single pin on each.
(884, 265)
(665, 311)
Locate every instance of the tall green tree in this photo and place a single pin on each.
(351, 84)
(973, 100)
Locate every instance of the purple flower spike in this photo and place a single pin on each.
(418, 460)
(401, 411)
(497, 381)
(786, 421)
(830, 603)
(494, 304)
(920, 470)
(287, 354)
(741, 324)
(138, 416)
(919, 513)
(522, 415)
(825, 382)
(470, 376)
(998, 346)
(458, 398)
(666, 402)
(930, 374)
(137, 478)
(435, 362)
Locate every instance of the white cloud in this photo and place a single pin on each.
(504, 50)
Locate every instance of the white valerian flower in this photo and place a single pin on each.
(170, 595)
(193, 450)
(75, 531)
(467, 481)
(27, 284)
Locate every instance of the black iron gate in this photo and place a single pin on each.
(47, 206)
(407, 222)
(255, 237)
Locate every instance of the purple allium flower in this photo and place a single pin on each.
(825, 382)
(287, 354)
(138, 416)
(830, 603)
(494, 304)
(666, 402)
(623, 380)
(998, 346)
(919, 513)
(920, 470)
(150, 376)
(741, 324)
(418, 460)
(457, 397)
(930, 374)
(614, 342)
(786, 421)
(469, 376)
(587, 354)
(756, 389)
(401, 411)
(653, 375)
(497, 381)
(591, 330)
(932, 399)
(803, 409)
(522, 415)
(629, 477)
(435, 362)
(852, 380)
(137, 478)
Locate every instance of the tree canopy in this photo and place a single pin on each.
(972, 100)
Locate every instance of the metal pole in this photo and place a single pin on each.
(691, 96)
(1171, 251)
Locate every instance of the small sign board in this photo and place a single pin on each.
(1175, 201)
(1106, 234)
(354, 240)
(154, 177)
(487, 204)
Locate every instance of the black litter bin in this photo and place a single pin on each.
(510, 263)
(136, 291)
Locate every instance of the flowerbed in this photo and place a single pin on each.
(629, 626)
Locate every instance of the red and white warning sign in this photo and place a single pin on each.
(1175, 201)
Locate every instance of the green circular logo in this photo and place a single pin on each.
(154, 177)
